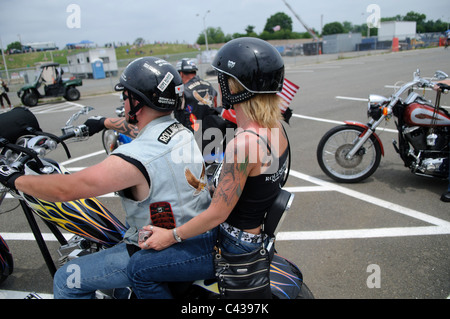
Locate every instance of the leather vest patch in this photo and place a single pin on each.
(161, 215)
(169, 132)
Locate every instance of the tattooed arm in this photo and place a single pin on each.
(120, 125)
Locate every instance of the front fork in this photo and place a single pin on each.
(365, 136)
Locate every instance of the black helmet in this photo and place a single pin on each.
(153, 82)
(255, 63)
(186, 65)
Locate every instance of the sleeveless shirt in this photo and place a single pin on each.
(258, 194)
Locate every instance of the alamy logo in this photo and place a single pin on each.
(374, 279)
(74, 279)
(74, 19)
(374, 19)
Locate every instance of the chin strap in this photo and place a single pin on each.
(133, 109)
(228, 99)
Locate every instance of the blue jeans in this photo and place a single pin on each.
(150, 271)
(80, 278)
(234, 245)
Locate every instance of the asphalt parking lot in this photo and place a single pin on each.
(384, 238)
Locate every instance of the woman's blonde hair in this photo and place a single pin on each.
(263, 108)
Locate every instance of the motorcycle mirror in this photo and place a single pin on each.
(85, 110)
(440, 75)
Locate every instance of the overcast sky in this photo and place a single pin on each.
(103, 21)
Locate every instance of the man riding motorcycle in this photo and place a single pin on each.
(152, 90)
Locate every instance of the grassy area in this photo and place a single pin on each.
(153, 49)
(24, 60)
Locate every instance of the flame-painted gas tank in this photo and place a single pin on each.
(417, 114)
(88, 218)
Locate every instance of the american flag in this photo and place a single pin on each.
(287, 94)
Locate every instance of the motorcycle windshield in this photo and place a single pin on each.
(88, 218)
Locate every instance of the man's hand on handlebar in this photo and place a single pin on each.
(443, 86)
(8, 175)
(95, 124)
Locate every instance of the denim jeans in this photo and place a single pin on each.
(150, 271)
(234, 245)
(80, 278)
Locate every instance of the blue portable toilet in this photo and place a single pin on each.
(97, 69)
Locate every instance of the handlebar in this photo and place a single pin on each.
(417, 81)
(43, 142)
(444, 87)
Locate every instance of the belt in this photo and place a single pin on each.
(242, 235)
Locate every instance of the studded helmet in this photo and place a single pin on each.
(152, 82)
(254, 63)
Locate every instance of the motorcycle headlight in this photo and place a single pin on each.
(375, 106)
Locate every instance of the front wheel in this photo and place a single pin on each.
(334, 147)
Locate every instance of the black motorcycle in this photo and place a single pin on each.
(93, 226)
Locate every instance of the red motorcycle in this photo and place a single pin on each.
(352, 152)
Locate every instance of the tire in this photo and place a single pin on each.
(72, 94)
(30, 98)
(334, 146)
(6, 261)
(305, 293)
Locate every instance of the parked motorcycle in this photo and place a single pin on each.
(352, 152)
(94, 227)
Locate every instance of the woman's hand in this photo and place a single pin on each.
(159, 240)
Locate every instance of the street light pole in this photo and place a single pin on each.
(204, 29)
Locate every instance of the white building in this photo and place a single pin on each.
(396, 29)
(86, 64)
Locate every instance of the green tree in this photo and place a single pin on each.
(139, 41)
(215, 35)
(14, 45)
(418, 18)
(250, 31)
(278, 19)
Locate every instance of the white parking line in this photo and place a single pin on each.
(440, 226)
(318, 119)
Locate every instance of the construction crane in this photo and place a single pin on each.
(310, 31)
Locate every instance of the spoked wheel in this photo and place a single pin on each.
(334, 147)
